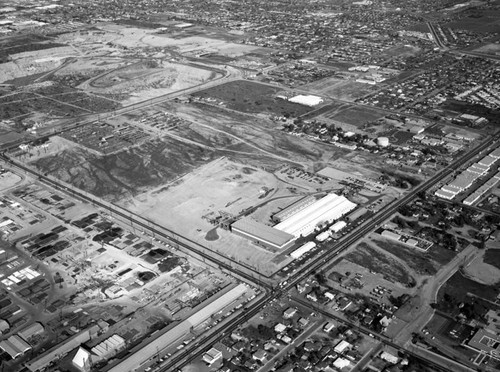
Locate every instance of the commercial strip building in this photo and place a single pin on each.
(151, 348)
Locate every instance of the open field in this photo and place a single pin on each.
(348, 90)
(375, 261)
(488, 48)
(251, 97)
(357, 116)
(477, 20)
(423, 263)
(401, 51)
(458, 286)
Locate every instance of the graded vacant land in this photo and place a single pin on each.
(147, 79)
(24, 43)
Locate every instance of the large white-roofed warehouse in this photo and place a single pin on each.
(325, 210)
(263, 234)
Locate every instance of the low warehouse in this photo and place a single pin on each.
(263, 234)
(302, 250)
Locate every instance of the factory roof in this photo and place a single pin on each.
(39, 363)
(445, 194)
(495, 153)
(14, 346)
(33, 329)
(328, 208)
(487, 161)
(262, 232)
(302, 250)
(306, 100)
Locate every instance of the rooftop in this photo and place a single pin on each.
(263, 232)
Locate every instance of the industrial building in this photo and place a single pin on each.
(487, 161)
(82, 360)
(465, 179)
(358, 213)
(302, 250)
(151, 348)
(325, 210)
(495, 153)
(390, 235)
(299, 219)
(262, 234)
(488, 185)
(32, 330)
(108, 347)
(292, 209)
(306, 100)
(337, 226)
(62, 349)
(15, 346)
(323, 236)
